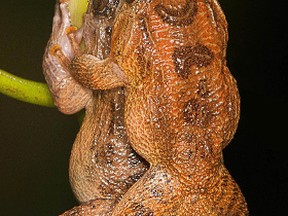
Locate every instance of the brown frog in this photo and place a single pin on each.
(103, 166)
(181, 104)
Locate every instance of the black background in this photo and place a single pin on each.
(35, 141)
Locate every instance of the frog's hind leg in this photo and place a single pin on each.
(154, 194)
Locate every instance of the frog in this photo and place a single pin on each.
(182, 104)
(103, 165)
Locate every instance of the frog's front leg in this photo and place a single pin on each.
(69, 96)
(87, 69)
(97, 74)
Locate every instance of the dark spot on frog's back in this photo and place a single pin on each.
(185, 57)
(178, 16)
(192, 107)
(197, 113)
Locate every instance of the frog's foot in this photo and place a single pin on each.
(58, 50)
(100, 207)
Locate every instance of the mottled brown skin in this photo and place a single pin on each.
(181, 104)
(103, 166)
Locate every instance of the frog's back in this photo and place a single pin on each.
(175, 57)
(182, 104)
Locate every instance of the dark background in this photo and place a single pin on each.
(35, 141)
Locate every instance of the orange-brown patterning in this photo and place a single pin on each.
(181, 104)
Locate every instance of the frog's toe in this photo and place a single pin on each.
(56, 50)
(74, 39)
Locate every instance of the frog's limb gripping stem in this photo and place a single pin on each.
(56, 51)
(57, 58)
(71, 33)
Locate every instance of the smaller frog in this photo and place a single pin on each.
(181, 104)
(103, 165)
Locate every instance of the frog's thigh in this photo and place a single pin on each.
(154, 194)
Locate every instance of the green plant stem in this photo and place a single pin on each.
(25, 90)
(77, 8)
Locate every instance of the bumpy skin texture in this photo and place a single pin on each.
(181, 104)
(103, 166)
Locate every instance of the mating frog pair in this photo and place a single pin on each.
(160, 106)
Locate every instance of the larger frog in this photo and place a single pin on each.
(181, 104)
